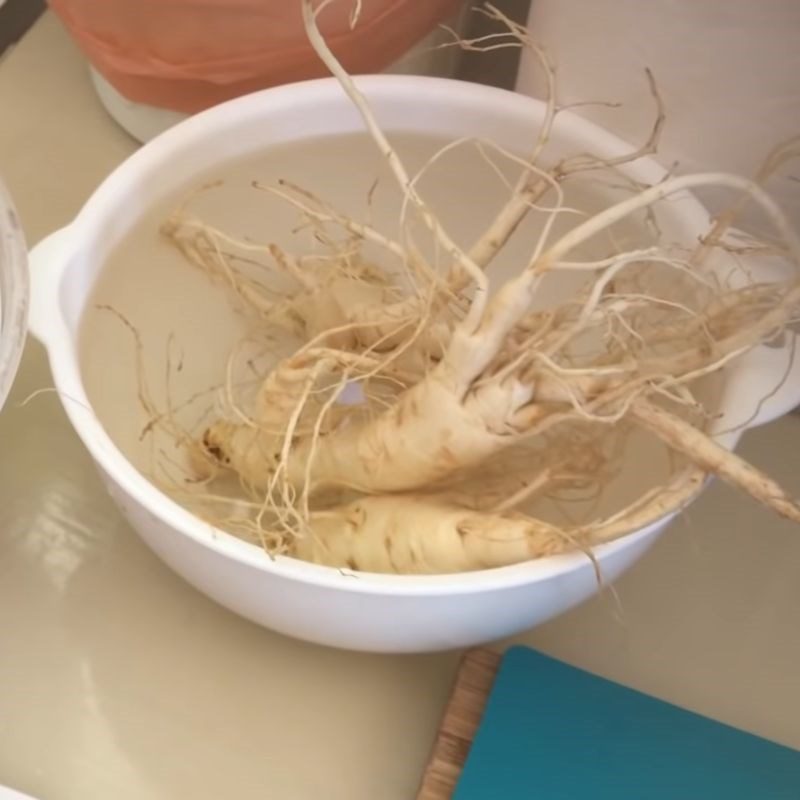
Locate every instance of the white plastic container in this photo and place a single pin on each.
(369, 612)
(427, 57)
(727, 72)
(14, 290)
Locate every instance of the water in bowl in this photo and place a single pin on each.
(188, 326)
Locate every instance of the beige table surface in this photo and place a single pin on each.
(117, 680)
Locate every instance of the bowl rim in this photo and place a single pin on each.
(65, 362)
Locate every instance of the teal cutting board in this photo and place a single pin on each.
(550, 731)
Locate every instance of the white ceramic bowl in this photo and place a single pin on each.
(367, 612)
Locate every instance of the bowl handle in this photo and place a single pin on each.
(46, 261)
